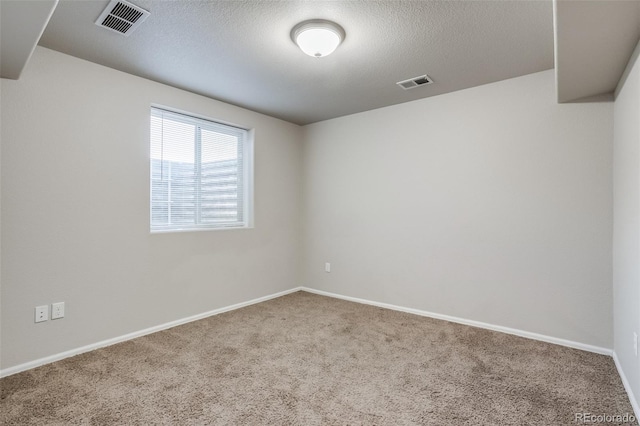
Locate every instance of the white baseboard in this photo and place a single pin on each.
(516, 332)
(57, 357)
(627, 386)
(576, 345)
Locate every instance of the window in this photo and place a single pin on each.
(200, 173)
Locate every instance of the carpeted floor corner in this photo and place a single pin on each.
(305, 359)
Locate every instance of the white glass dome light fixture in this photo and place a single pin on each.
(317, 37)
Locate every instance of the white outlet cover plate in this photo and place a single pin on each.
(57, 310)
(42, 313)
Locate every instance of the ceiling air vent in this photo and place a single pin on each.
(415, 82)
(122, 17)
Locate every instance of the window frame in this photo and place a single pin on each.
(246, 178)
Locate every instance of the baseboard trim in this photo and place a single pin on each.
(62, 355)
(627, 386)
(472, 323)
(549, 339)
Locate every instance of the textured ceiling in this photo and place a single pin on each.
(241, 52)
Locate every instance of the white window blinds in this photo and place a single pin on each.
(198, 173)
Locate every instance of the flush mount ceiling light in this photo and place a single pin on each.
(317, 37)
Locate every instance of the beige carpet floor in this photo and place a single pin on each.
(305, 359)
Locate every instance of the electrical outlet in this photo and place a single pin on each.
(635, 343)
(57, 310)
(327, 267)
(42, 313)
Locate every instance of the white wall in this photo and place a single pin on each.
(75, 211)
(626, 223)
(491, 204)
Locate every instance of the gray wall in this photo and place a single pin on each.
(626, 223)
(75, 211)
(491, 204)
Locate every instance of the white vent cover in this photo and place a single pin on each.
(415, 82)
(122, 17)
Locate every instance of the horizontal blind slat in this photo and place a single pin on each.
(197, 173)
